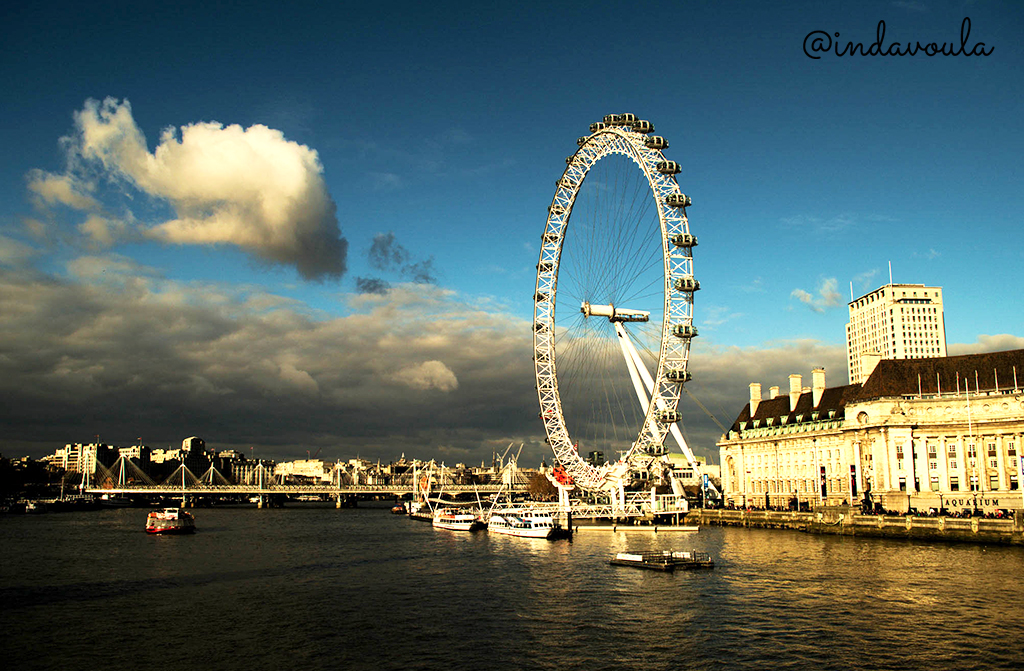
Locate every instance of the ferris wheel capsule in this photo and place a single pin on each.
(677, 200)
(687, 283)
(684, 331)
(656, 142)
(684, 240)
(680, 376)
(669, 168)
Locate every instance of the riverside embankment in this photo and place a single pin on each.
(846, 522)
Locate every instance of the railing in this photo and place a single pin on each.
(267, 489)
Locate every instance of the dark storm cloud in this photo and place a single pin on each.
(125, 354)
(371, 285)
(422, 272)
(121, 352)
(387, 255)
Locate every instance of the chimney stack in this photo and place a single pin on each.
(795, 387)
(755, 397)
(817, 384)
(773, 392)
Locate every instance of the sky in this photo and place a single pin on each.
(305, 228)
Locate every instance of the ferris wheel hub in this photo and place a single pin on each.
(613, 313)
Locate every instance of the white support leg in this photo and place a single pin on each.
(637, 366)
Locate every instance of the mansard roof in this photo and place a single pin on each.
(991, 371)
(833, 399)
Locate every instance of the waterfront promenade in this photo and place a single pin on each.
(845, 521)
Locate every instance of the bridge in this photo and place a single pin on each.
(125, 478)
(269, 492)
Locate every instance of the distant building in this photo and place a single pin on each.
(917, 434)
(896, 321)
(140, 453)
(82, 458)
(685, 473)
(193, 445)
(315, 471)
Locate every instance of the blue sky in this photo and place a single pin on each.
(446, 126)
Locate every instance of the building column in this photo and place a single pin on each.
(1004, 484)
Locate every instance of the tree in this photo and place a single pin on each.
(541, 488)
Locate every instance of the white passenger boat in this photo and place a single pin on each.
(456, 520)
(523, 523)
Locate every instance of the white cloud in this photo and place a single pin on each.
(14, 253)
(827, 297)
(988, 343)
(427, 375)
(248, 187)
(865, 280)
(820, 224)
(102, 231)
(66, 190)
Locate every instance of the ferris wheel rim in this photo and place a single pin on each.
(677, 291)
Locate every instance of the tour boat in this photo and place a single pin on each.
(523, 523)
(170, 521)
(456, 520)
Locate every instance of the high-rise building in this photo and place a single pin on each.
(896, 321)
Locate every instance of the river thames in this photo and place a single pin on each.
(312, 587)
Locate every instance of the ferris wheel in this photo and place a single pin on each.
(613, 306)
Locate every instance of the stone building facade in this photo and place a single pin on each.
(932, 433)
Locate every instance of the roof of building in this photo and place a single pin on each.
(991, 371)
(832, 399)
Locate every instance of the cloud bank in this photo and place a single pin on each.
(246, 187)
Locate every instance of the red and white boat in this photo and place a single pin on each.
(170, 521)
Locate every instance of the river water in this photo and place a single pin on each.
(311, 587)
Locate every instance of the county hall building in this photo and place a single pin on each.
(925, 433)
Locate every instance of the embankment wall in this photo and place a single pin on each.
(846, 522)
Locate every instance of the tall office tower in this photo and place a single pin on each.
(896, 321)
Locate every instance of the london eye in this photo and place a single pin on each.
(613, 307)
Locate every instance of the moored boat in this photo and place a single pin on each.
(456, 520)
(419, 510)
(523, 523)
(664, 560)
(170, 521)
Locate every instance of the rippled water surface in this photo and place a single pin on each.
(317, 588)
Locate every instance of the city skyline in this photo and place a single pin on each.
(294, 230)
